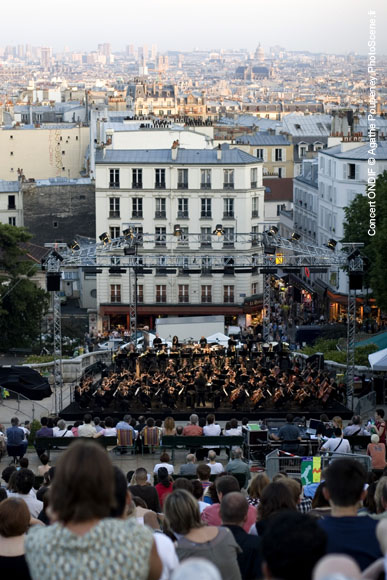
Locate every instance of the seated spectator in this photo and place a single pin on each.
(184, 483)
(337, 567)
(97, 425)
(16, 440)
(6, 474)
(124, 424)
(81, 499)
(225, 485)
(14, 523)
(45, 430)
(194, 568)
(45, 464)
(232, 428)
(320, 505)
(164, 462)
(381, 497)
(179, 430)
(75, 427)
(47, 480)
(256, 487)
(291, 546)
(108, 431)
(211, 428)
(347, 533)
(150, 434)
(24, 481)
(142, 488)
(289, 434)
(197, 491)
(164, 487)
(275, 498)
(195, 539)
(203, 472)
(169, 427)
(214, 466)
(337, 445)
(377, 452)
(24, 463)
(86, 429)
(233, 511)
(355, 427)
(238, 466)
(193, 428)
(61, 430)
(188, 468)
(380, 425)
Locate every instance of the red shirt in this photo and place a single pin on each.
(378, 425)
(163, 491)
(192, 430)
(211, 515)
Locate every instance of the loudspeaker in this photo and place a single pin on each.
(355, 281)
(53, 281)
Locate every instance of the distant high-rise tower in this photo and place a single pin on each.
(153, 51)
(259, 54)
(45, 57)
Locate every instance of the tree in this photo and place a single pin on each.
(357, 229)
(22, 303)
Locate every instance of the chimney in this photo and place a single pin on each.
(219, 152)
(175, 147)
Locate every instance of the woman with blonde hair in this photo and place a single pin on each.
(256, 487)
(337, 422)
(169, 427)
(196, 539)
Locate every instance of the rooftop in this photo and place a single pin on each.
(361, 153)
(8, 186)
(304, 125)
(262, 138)
(184, 156)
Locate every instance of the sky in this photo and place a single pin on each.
(331, 26)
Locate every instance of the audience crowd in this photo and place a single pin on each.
(210, 519)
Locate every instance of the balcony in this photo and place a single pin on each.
(137, 214)
(183, 215)
(161, 215)
(114, 185)
(160, 185)
(136, 184)
(228, 215)
(228, 186)
(114, 213)
(11, 206)
(182, 185)
(205, 186)
(254, 213)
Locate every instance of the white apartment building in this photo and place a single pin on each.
(305, 197)
(153, 190)
(11, 203)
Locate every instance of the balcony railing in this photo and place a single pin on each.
(137, 214)
(136, 184)
(160, 185)
(254, 213)
(114, 213)
(205, 186)
(114, 184)
(228, 215)
(228, 186)
(160, 215)
(183, 215)
(182, 185)
(253, 184)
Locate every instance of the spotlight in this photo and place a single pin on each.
(177, 231)
(74, 246)
(128, 233)
(295, 237)
(218, 231)
(273, 231)
(331, 244)
(105, 238)
(57, 256)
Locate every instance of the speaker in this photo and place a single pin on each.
(316, 360)
(355, 281)
(53, 281)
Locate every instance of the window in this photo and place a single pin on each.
(138, 231)
(280, 207)
(255, 235)
(11, 153)
(140, 294)
(260, 154)
(160, 178)
(278, 154)
(253, 177)
(161, 293)
(228, 238)
(137, 207)
(114, 207)
(160, 237)
(183, 240)
(205, 207)
(351, 171)
(115, 292)
(11, 202)
(182, 207)
(205, 237)
(161, 207)
(254, 288)
(206, 265)
(302, 150)
(281, 172)
(207, 293)
(114, 232)
(228, 208)
(182, 178)
(12, 221)
(228, 294)
(54, 224)
(183, 293)
(228, 178)
(114, 178)
(205, 179)
(255, 207)
(137, 178)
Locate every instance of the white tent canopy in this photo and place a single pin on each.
(378, 360)
(219, 338)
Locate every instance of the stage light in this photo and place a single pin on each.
(177, 231)
(105, 238)
(273, 231)
(331, 244)
(218, 231)
(128, 233)
(74, 246)
(295, 237)
(57, 256)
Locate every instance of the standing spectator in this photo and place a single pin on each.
(87, 429)
(24, 481)
(193, 427)
(16, 442)
(144, 490)
(238, 466)
(377, 452)
(194, 539)
(256, 487)
(14, 523)
(164, 487)
(214, 466)
(189, 468)
(347, 533)
(164, 462)
(380, 426)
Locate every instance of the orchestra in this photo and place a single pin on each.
(189, 376)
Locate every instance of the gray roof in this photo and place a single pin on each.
(311, 125)
(361, 152)
(262, 138)
(184, 156)
(8, 186)
(63, 181)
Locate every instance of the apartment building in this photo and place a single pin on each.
(11, 203)
(275, 152)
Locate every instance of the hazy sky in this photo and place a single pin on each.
(335, 26)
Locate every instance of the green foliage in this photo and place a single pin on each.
(41, 359)
(362, 352)
(22, 304)
(328, 347)
(35, 426)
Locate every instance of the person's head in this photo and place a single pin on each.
(87, 419)
(187, 484)
(83, 487)
(44, 458)
(245, 421)
(121, 494)
(375, 438)
(337, 422)
(179, 430)
(164, 458)
(379, 414)
(97, 421)
(44, 421)
(234, 423)
(381, 495)
(197, 489)
(194, 568)
(24, 462)
(24, 481)
(356, 420)
(194, 419)
(237, 453)
(109, 422)
(276, 497)
(225, 485)
(324, 418)
(14, 517)
(319, 500)
(141, 476)
(257, 485)
(163, 476)
(289, 418)
(14, 421)
(210, 419)
(7, 472)
(337, 432)
(182, 512)
(337, 566)
(169, 423)
(203, 472)
(344, 482)
(234, 508)
(150, 422)
(294, 487)
(190, 458)
(291, 546)
(211, 455)
(127, 419)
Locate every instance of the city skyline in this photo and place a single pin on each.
(82, 26)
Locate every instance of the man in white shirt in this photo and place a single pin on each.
(24, 481)
(337, 445)
(61, 430)
(164, 462)
(215, 467)
(87, 429)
